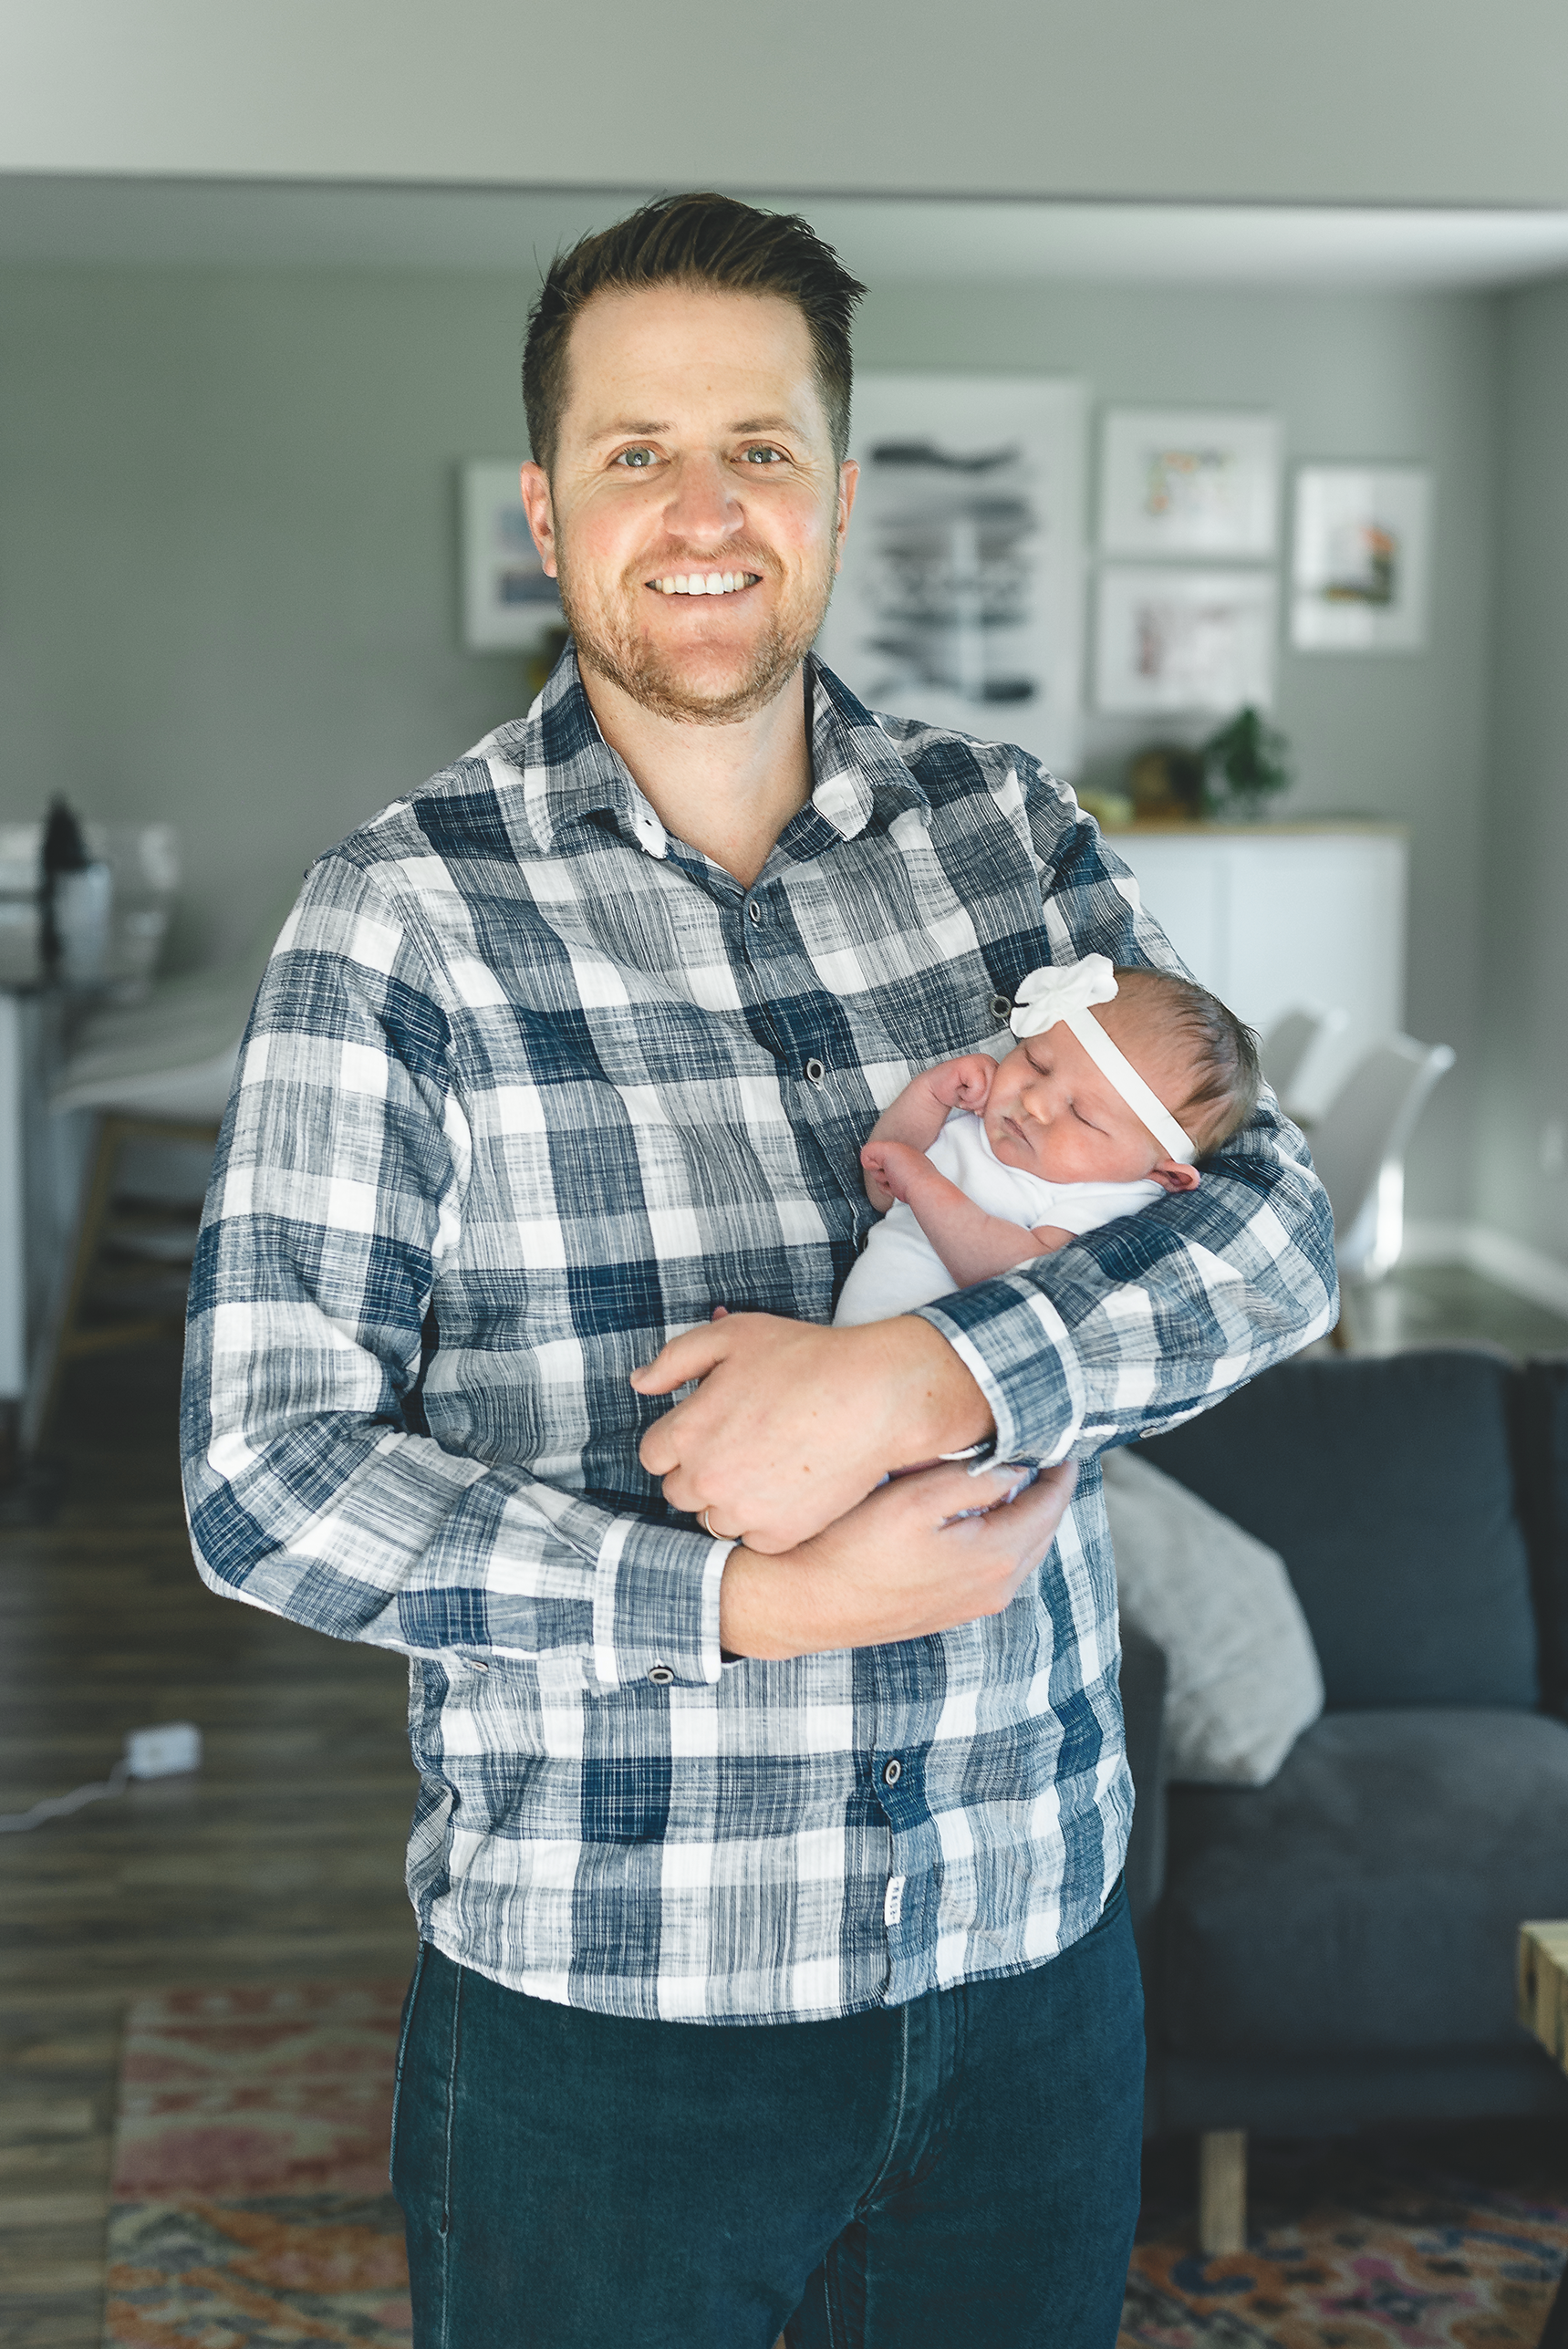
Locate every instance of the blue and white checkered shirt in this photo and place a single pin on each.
(530, 1088)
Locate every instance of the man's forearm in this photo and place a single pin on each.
(921, 1555)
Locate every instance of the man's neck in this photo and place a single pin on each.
(728, 791)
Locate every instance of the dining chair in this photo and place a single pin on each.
(1359, 1144)
(1290, 1044)
(159, 1071)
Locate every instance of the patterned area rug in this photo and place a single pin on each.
(250, 2203)
(1435, 2239)
(251, 2209)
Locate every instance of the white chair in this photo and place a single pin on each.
(1358, 1146)
(160, 1070)
(1290, 1045)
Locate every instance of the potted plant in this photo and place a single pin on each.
(1243, 763)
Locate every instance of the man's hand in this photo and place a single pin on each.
(904, 1564)
(795, 1424)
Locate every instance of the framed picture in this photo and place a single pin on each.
(508, 602)
(1168, 641)
(1362, 558)
(1189, 481)
(961, 597)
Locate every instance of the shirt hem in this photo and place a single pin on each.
(761, 2020)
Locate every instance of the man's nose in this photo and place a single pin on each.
(702, 508)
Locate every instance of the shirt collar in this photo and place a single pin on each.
(569, 775)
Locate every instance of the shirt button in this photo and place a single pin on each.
(660, 1675)
(815, 1072)
(755, 911)
(1000, 1007)
(892, 1771)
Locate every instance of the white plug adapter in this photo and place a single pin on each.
(166, 1752)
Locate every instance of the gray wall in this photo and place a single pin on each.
(1526, 993)
(228, 557)
(228, 573)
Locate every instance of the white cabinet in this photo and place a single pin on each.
(1274, 916)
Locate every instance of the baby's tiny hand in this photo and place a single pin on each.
(964, 1083)
(891, 1167)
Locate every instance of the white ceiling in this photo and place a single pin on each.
(884, 240)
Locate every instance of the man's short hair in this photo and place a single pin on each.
(699, 241)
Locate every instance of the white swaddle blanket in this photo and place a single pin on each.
(899, 1269)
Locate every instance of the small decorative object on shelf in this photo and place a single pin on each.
(74, 894)
(1166, 784)
(1243, 763)
(1113, 811)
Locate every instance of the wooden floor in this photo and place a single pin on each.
(282, 1860)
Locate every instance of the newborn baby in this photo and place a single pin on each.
(981, 1166)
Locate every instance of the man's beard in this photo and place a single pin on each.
(609, 643)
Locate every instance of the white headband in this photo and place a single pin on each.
(1065, 994)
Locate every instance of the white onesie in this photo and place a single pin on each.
(898, 1269)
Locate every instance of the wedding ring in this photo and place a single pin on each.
(709, 1527)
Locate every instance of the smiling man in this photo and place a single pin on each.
(773, 1958)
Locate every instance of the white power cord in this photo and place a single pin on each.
(59, 1806)
(167, 1751)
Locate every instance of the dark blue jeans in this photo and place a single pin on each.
(962, 2170)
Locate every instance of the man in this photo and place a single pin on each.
(773, 1957)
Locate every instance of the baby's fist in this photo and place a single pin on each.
(888, 1166)
(964, 1083)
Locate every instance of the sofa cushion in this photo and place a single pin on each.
(1388, 1488)
(1242, 1680)
(1369, 1900)
(1544, 1459)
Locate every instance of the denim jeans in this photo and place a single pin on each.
(958, 2173)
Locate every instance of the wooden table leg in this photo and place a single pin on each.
(1222, 2191)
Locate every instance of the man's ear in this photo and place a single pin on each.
(1173, 1178)
(848, 478)
(541, 513)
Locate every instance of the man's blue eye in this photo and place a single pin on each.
(639, 457)
(763, 457)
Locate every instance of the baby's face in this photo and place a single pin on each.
(1052, 1112)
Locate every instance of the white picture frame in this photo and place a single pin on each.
(959, 600)
(1189, 480)
(1361, 559)
(509, 605)
(1171, 641)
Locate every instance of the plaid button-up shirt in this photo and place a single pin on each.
(530, 1086)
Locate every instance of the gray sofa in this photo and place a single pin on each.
(1338, 1948)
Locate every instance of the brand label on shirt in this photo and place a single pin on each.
(893, 1903)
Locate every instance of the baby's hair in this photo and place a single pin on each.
(1228, 1075)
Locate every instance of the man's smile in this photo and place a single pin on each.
(706, 583)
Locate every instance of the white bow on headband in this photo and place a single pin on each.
(1064, 991)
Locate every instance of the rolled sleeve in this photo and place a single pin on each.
(656, 1606)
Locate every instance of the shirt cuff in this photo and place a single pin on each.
(656, 1606)
(1016, 1347)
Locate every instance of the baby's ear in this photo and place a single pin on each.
(1174, 1178)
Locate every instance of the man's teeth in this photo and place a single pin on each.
(706, 583)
